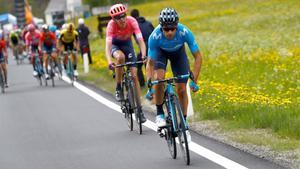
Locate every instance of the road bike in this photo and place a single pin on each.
(39, 69)
(70, 67)
(176, 125)
(130, 101)
(51, 67)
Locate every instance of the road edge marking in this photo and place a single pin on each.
(196, 148)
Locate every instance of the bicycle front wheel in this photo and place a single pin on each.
(183, 142)
(126, 109)
(135, 105)
(2, 82)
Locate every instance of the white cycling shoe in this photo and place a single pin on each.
(160, 121)
(47, 76)
(35, 73)
(188, 136)
(76, 73)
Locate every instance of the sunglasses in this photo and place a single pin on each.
(118, 17)
(169, 29)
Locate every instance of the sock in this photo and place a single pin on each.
(160, 110)
(118, 87)
(65, 66)
(75, 67)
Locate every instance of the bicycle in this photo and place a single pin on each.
(70, 68)
(174, 128)
(130, 102)
(51, 67)
(2, 81)
(16, 52)
(39, 69)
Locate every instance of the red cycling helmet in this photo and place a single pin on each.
(31, 28)
(117, 9)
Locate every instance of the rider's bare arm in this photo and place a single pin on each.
(142, 47)
(150, 69)
(197, 64)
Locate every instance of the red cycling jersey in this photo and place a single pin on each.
(2, 45)
(48, 39)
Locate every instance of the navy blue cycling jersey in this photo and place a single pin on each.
(158, 41)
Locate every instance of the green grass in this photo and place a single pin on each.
(251, 67)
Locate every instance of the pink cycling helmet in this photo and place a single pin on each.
(117, 9)
(31, 27)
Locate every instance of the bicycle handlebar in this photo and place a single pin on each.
(169, 80)
(129, 64)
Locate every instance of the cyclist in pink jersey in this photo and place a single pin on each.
(119, 45)
(32, 39)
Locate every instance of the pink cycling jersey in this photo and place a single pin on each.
(113, 31)
(34, 39)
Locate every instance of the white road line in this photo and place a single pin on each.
(202, 151)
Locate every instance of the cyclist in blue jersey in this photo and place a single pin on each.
(167, 43)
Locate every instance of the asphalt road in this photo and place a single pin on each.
(64, 128)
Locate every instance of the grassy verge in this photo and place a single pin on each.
(251, 71)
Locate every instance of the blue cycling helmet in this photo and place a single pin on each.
(168, 17)
(52, 28)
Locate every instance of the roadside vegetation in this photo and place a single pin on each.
(250, 77)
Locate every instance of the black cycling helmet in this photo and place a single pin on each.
(168, 17)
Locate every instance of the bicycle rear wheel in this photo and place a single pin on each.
(183, 142)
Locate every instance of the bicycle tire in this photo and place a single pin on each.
(135, 105)
(126, 109)
(16, 54)
(130, 97)
(171, 139)
(183, 142)
(52, 72)
(2, 82)
(71, 71)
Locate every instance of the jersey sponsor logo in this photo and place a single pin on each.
(130, 55)
(157, 36)
(183, 32)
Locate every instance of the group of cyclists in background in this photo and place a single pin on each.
(33, 41)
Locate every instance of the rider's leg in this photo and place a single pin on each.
(183, 97)
(120, 58)
(138, 89)
(33, 61)
(159, 95)
(3, 67)
(180, 66)
(136, 80)
(45, 58)
(65, 60)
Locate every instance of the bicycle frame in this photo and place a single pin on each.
(168, 96)
(178, 126)
(38, 64)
